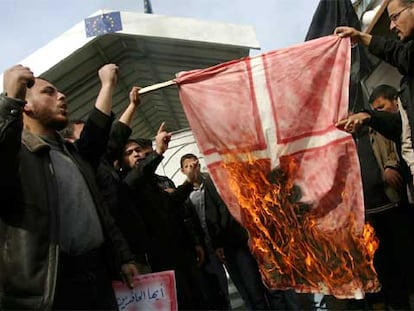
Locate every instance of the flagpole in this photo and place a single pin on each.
(156, 86)
(147, 7)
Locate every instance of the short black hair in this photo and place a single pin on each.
(384, 90)
(187, 156)
(142, 142)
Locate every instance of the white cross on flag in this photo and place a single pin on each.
(266, 127)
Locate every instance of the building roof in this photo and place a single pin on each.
(149, 49)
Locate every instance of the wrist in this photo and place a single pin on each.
(366, 117)
(365, 38)
(108, 85)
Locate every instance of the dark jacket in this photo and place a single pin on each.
(170, 245)
(223, 228)
(401, 56)
(28, 198)
(121, 204)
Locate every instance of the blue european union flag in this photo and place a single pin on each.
(102, 24)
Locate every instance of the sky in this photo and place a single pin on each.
(27, 25)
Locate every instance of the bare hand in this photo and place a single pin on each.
(162, 139)
(353, 122)
(393, 178)
(220, 254)
(134, 96)
(108, 74)
(355, 35)
(15, 81)
(346, 31)
(200, 255)
(128, 271)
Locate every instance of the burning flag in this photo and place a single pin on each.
(266, 126)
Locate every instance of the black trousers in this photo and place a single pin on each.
(83, 283)
(393, 259)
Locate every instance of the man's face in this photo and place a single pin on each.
(402, 19)
(46, 105)
(189, 165)
(384, 104)
(134, 154)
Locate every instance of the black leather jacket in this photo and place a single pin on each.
(28, 198)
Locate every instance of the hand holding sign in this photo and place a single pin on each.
(153, 291)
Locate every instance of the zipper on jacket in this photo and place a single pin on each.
(52, 171)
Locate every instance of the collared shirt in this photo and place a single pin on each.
(198, 200)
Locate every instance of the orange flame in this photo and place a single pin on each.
(292, 251)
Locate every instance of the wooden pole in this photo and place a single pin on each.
(156, 86)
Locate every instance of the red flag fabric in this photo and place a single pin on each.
(266, 127)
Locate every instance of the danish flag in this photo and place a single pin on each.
(278, 108)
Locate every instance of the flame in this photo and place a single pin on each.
(291, 250)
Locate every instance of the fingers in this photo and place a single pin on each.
(393, 177)
(162, 139)
(338, 31)
(134, 95)
(110, 68)
(341, 124)
(108, 74)
(15, 81)
(200, 255)
(130, 281)
(128, 273)
(344, 31)
(161, 129)
(350, 126)
(193, 164)
(347, 125)
(167, 138)
(353, 122)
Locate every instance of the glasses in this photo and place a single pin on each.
(394, 17)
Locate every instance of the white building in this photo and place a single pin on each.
(148, 49)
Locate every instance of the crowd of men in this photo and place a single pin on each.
(82, 206)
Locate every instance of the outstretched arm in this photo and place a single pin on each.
(121, 130)
(94, 137)
(150, 163)
(386, 123)
(134, 101)
(108, 75)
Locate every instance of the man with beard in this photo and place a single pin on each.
(172, 244)
(55, 234)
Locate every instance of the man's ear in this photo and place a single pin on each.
(28, 108)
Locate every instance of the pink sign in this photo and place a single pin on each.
(153, 291)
